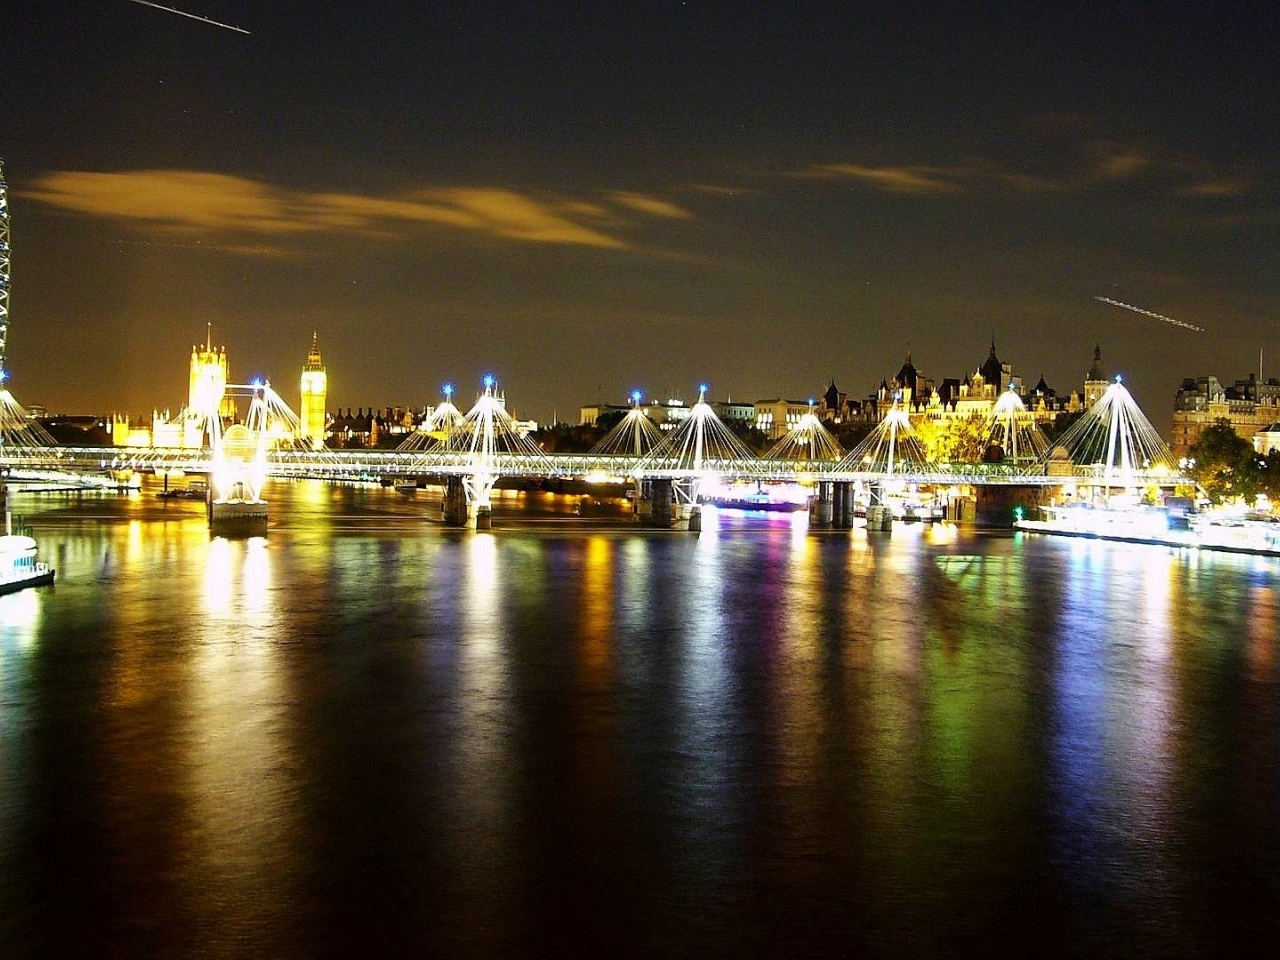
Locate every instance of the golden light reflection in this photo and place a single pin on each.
(235, 728)
(597, 615)
(257, 576)
(135, 543)
(217, 576)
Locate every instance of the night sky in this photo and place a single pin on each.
(590, 198)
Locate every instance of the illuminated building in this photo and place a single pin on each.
(208, 389)
(777, 416)
(1249, 406)
(314, 387)
(206, 394)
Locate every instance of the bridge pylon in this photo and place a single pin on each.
(239, 462)
(485, 446)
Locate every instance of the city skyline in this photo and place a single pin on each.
(587, 202)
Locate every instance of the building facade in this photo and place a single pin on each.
(1250, 406)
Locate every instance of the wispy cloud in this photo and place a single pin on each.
(193, 203)
(1216, 188)
(1064, 166)
(652, 206)
(176, 199)
(891, 179)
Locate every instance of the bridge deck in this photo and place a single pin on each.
(371, 464)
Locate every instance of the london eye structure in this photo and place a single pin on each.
(4, 269)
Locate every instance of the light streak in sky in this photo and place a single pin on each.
(183, 13)
(1148, 313)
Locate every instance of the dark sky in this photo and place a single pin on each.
(587, 198)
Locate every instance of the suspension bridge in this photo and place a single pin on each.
(1112, 446)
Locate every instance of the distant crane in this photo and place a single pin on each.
(1148, 313)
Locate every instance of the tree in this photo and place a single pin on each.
(1259, 474)
(610, 419)
(1222, 463)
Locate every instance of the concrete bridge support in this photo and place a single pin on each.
(879, 518)
(237, 518)
(656, 505)
(455, 502)
(820, 507)
(842, 505)
(998, 505)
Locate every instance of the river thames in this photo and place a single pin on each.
(367, 735)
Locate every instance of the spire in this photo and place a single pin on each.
(992, 370)
(314, 361)
(1095, 370)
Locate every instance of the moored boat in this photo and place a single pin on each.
(1156, 525)
(754, 501)
(19, 567)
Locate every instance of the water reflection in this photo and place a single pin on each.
(19, 621)
(371, 733)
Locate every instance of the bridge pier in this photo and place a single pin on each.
(879, 518)
(238, 518)
(484, 516)
(455, 502)
(842, 505)
(820, 508)
(656, 503)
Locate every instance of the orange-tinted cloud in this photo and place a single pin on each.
(196, 203)
(652, 206)
(177, 199)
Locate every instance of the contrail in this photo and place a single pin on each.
(1148, 313)
(183, 13)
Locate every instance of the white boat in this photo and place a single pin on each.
(19, 567)
(1157, 526)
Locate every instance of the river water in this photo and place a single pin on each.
(366, 735)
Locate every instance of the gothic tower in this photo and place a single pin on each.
(208, 386)
(315, 387)
(1095, 381)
